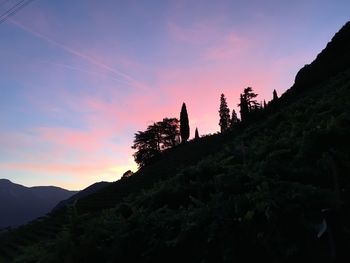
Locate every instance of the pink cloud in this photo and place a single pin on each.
(230, 48)
(58, 168)
(201, 32)
(82, 140)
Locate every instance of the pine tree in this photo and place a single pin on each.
(244, 109)
(184, 125)
(249, 96)
(275, 97)
(224, 113)
(196, 134)
(247, 103)
(265, 104)
(234, 119)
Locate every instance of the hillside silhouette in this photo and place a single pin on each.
(81, 194)
(332, 60)
(20, 204)
(274, 188)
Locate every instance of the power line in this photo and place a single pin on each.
(14, 9)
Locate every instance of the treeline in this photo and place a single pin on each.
(171, 132)
(160, 136)
(250, 109)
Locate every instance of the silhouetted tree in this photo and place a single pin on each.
(234, 119)
(196, 134)
(169, 132)
(244, 109)
(184, 125)
(247, 103)
(249, 96)
(147, 146)
(127, 174)
(265, 104)
(158, 136)
(224, 113)
(275, 97)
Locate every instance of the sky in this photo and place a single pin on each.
(79, 77)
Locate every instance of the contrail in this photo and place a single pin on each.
(129, 80)
(70, 67)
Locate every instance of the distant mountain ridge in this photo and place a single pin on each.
(20, 204)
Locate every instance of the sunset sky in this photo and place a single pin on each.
(79, 77)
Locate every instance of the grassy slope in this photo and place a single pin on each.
(256, 193)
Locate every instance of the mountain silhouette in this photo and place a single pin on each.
(20, 204)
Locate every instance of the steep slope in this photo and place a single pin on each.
(96, 187)
(257, 193)
(331, 61)
(20, 204)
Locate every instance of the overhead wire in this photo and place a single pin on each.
(14, 9)
(21, 4)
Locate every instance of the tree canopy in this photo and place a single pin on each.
(248, 104)
(157, 137)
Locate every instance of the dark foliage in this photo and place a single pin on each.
(249, 107)
(224, 113)
(244, 108)
(81, 194)
(158, 137)
(127, 174)
(184, 124)
(234, 119)
(275, 97)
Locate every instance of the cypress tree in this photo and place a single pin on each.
(196, 134)
(224, 113)
(275, 97)
(184, 126)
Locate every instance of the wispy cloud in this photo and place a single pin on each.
(202, 32)
(79, 69)
(230, 47)
(122, 77)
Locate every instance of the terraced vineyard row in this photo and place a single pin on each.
(43, 229)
